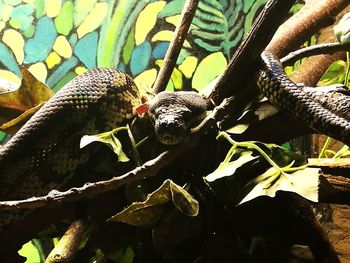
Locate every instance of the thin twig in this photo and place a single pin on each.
(324, 48)
(175, 45)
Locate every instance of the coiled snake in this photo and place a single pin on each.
(44, 154)
(300, 102)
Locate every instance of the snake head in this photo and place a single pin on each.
(173, 114)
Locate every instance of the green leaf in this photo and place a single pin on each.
(30, 251)
(172, 8)
(208, 69)
(303, 182)
(227, 180)
(218, 26)
(149, 212)
(282, 156)
(108, 138)
(344, 151)
(253, 169)
(229, 168)
(129, 46)
(342, 29)
(124, 255)
(335, 74)
(238, 128)
(18, 104)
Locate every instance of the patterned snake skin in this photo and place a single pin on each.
(44, 154)
(299, 101)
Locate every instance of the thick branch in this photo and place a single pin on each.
(277, 128)
(89, 190)
(245, 57)
(336, 189)
(307, 22)
(175, 45)
(70, 242)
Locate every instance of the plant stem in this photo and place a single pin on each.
(324, 148)
(252, 145)
(346, 80)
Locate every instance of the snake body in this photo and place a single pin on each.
(299, 101)
(44, 154)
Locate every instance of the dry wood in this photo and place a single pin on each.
(307, 22)
(175, 45)
(70, 242)
(246, 56)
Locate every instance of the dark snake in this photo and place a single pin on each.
(304, 103)
(44, 154)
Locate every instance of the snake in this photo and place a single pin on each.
(186, 108)
(45, 153)
(304, 103)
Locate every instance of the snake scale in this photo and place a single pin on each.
(44, 154)
(300, 102)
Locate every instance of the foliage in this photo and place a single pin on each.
(110, 140)
(149, 212)
(20, 103)
(32, 251)
(342, 29)
(50, 38)
(133, 36)
(231, 183)
(337, 72)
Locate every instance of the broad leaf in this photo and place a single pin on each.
(342, 29)
(303, 182)
(229, 168)
(218, 25)
(33, 251)
(253, 169)
(12, 126)
(149, 212)
(124, 255)
(108, 138)
(27, 99)
(335, 74)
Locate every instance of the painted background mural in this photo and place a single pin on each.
(59, 39)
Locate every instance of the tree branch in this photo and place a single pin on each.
(244, 59)
(175, 46)
(147, 170)
(70, 242)
(307, 22)
(328, 48)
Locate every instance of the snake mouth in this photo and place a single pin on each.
(170, 139)
(170, 131)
